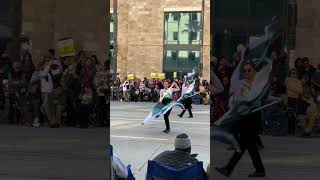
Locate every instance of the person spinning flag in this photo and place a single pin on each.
(187, 93)
(250, 84)
(164, 105)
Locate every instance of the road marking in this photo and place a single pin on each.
(143, 138)
(141, 120)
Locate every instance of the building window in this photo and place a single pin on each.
(176, 16)
(175, 36)
(182, 42)
(194, 17)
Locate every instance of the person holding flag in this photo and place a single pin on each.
(166, 98)
(187, 93)
(248, 129)
(249, 88)
(164, 105)
(186, 102)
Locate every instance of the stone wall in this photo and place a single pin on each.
(140, 35)
(308, 30)
(37, 25)
(47, 21)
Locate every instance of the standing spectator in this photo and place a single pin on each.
(80, 61)
(72, 85)
(46, 88)
(88, 72)
(5, 64)
(307, 121)
(86, 106)
(101, 87)
(35, 96)
(299, 66)
(96, 61)
(279, 72)
(316, 81)
(58, 105)
(2, 90)
(126, 90)
(309, 70)
(294, 91)
(17, 86)
(52, 54)
(142, 89)
(293, 88)
(27, 66)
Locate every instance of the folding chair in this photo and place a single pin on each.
(158, 171)
(130, 175)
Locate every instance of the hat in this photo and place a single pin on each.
(182, 141)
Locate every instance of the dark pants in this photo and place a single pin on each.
(187, 104)
(102, 111)
(247, 143)
(293, 110)
(166, 101)
(85, 110)
(14, 112)
(72, 114)
(166, 119)
(248, 140)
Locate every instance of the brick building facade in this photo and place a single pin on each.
(308, 30)
(141, 34)
(44, 22)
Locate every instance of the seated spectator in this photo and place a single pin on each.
(118, 168)
(293, 88)
(307, 121)
(309, 70)
(316, 81)
(208, 171)
(180, 157)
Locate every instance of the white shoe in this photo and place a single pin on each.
(36, 122)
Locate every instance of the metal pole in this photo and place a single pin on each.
(291, 29)
(115, 39)
(201, 31)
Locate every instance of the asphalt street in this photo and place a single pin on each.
(46, 154)
(289, 157)
(136, 144)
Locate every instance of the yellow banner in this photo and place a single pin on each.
(161, 76)
(66, 47)
(174, 74)
(130, 76)
(153, 75)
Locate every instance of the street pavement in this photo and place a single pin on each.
(291, 158)
(46, 154)
(136, 144)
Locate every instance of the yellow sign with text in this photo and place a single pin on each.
(66, 47)
(174, 74)
(161, 76)
(153, 75)
(130, 76)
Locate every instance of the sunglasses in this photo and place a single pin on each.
(247, 70)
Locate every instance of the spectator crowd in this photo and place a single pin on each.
(298, 87)
(54, 91)
(148, 90)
